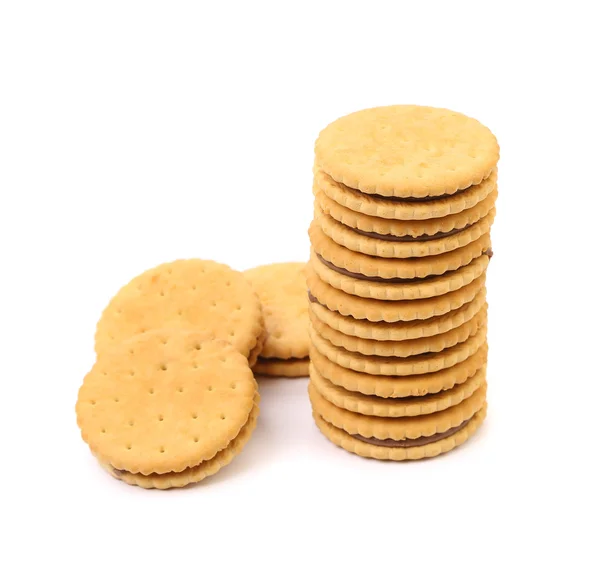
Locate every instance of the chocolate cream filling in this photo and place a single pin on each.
(410, 238)
(416, 442)
(405, 199)
(266, 360)
(361, 277)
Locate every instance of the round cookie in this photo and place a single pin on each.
(445, 443)
(403, 348)
(191, 294)
(400, 228)
(389, 310)
(165, 402)
(399, 366)
(405, 289)
(402, 209)
(395, 407)
(401, 428)
(283, 367)
(403, 247)
(397, 331)
(399, 387)
(281, 288)
(407, 151)
(377, 269)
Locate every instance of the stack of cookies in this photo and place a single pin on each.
(404, 203)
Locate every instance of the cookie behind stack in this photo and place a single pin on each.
(404, 204)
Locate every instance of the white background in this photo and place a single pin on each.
(135, 133)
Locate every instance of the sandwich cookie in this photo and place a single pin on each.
(399, 387)
(389, 310)
(410, 437)
(167, 408)
(380, 269)
(191, 294)
(403, 348)
(281, 288)
(401, 289)
(401, 247)
(399, 366)
(396, 331)
(395, 407)
(407, 151)
(403, 228)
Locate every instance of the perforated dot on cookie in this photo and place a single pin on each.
(93, 402)
(233, 386)
(131, 422)
(128, 446)
(210, 388)
(222, 416)
(151, 391)
(180, 389)
(198, 346)
(196, 440)
(162, 449)
(103, 430)
(195, 416)
(163, 367)
(238, 307)
(160, 417)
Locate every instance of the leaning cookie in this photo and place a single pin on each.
(167, 408)
(190, 294)
(281, 288)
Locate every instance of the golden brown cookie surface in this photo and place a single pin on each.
(191, 294)
(281, 288)
(407, 151)
(164, 401)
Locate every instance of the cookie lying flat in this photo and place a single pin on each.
(377, 269)
(191, 294)
(400, 366)
(398, 429)
(389, 310)
(167, 408)
(401, 209)
(282, 367)
(401, 247)
(281, 288)
(407, 151)
(403, 348)
(399, 387)
(411, 437)
(395, 331)
(441, 443)
(405, 289)
(399, 228)
(395, 407)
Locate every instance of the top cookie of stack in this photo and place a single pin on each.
(404, 203)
